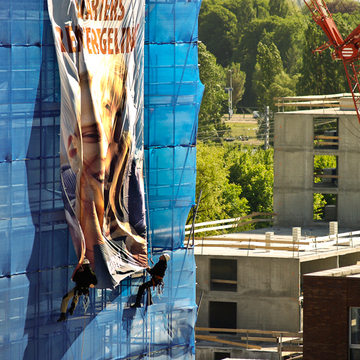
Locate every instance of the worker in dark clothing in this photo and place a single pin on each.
(157, 273)
(84, 278)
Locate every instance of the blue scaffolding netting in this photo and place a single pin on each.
(37, 257)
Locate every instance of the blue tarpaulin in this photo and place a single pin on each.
(37, 257)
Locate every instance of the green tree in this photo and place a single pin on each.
(343, 6)
(286, 34)
(320, 200)
(324, 162)
(214, 101)
(268, 66)
(234, 180)
(220, 199)
(279, 8)
(218, 30)
(238, 82)
(283, 85)
(319, 73)
(243, 10)
(319, 203)
(261, 9)
(254, 172)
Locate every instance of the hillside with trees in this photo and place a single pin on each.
(267, 46)
(272, 42)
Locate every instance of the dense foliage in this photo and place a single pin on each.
(267, 47)
(215, 101)
(235, 181)
(272, 41)
(320, 200)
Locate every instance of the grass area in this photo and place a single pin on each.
(243, 129)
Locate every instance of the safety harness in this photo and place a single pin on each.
(156, 281)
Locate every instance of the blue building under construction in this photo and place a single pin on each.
(37, 257)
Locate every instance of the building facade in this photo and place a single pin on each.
(332, 314)
(301, 137)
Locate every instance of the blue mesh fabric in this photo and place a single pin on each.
(37, 257)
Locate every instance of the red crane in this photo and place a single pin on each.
(346, 50)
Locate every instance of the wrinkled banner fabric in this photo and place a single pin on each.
(99, 46)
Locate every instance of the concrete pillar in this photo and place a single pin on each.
(268, 237)
(333, 227)
(296, 233)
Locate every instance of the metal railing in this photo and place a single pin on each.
(263, 242)
(230, 223)
(289, 342)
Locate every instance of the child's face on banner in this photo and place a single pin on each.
(107, 113)
(97, 131)
(95, 138)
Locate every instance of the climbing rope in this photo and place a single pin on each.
(86, 302)
(159, 289)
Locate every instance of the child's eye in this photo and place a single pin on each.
(91, 137)
(107, 107)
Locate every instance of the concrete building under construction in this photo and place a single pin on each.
(249, 284)
(301, 136)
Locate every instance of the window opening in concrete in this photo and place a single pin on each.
(354, 331)
(222, 315)
(325, 207)
(326, 171)
(223, 275)
(221, 355)
(326, 135)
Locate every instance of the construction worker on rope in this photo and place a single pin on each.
(84, 278)
(157, 274)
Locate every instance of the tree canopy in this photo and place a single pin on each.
(214, 100)
(226, 31)
(268, 47)
(220, 198)
(235, 180)
(343, 6)
(238, 82)
(246, 32)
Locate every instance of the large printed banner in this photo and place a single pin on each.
(99, 45)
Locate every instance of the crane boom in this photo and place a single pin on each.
(346, 50)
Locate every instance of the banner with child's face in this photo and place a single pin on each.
(99, 46)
